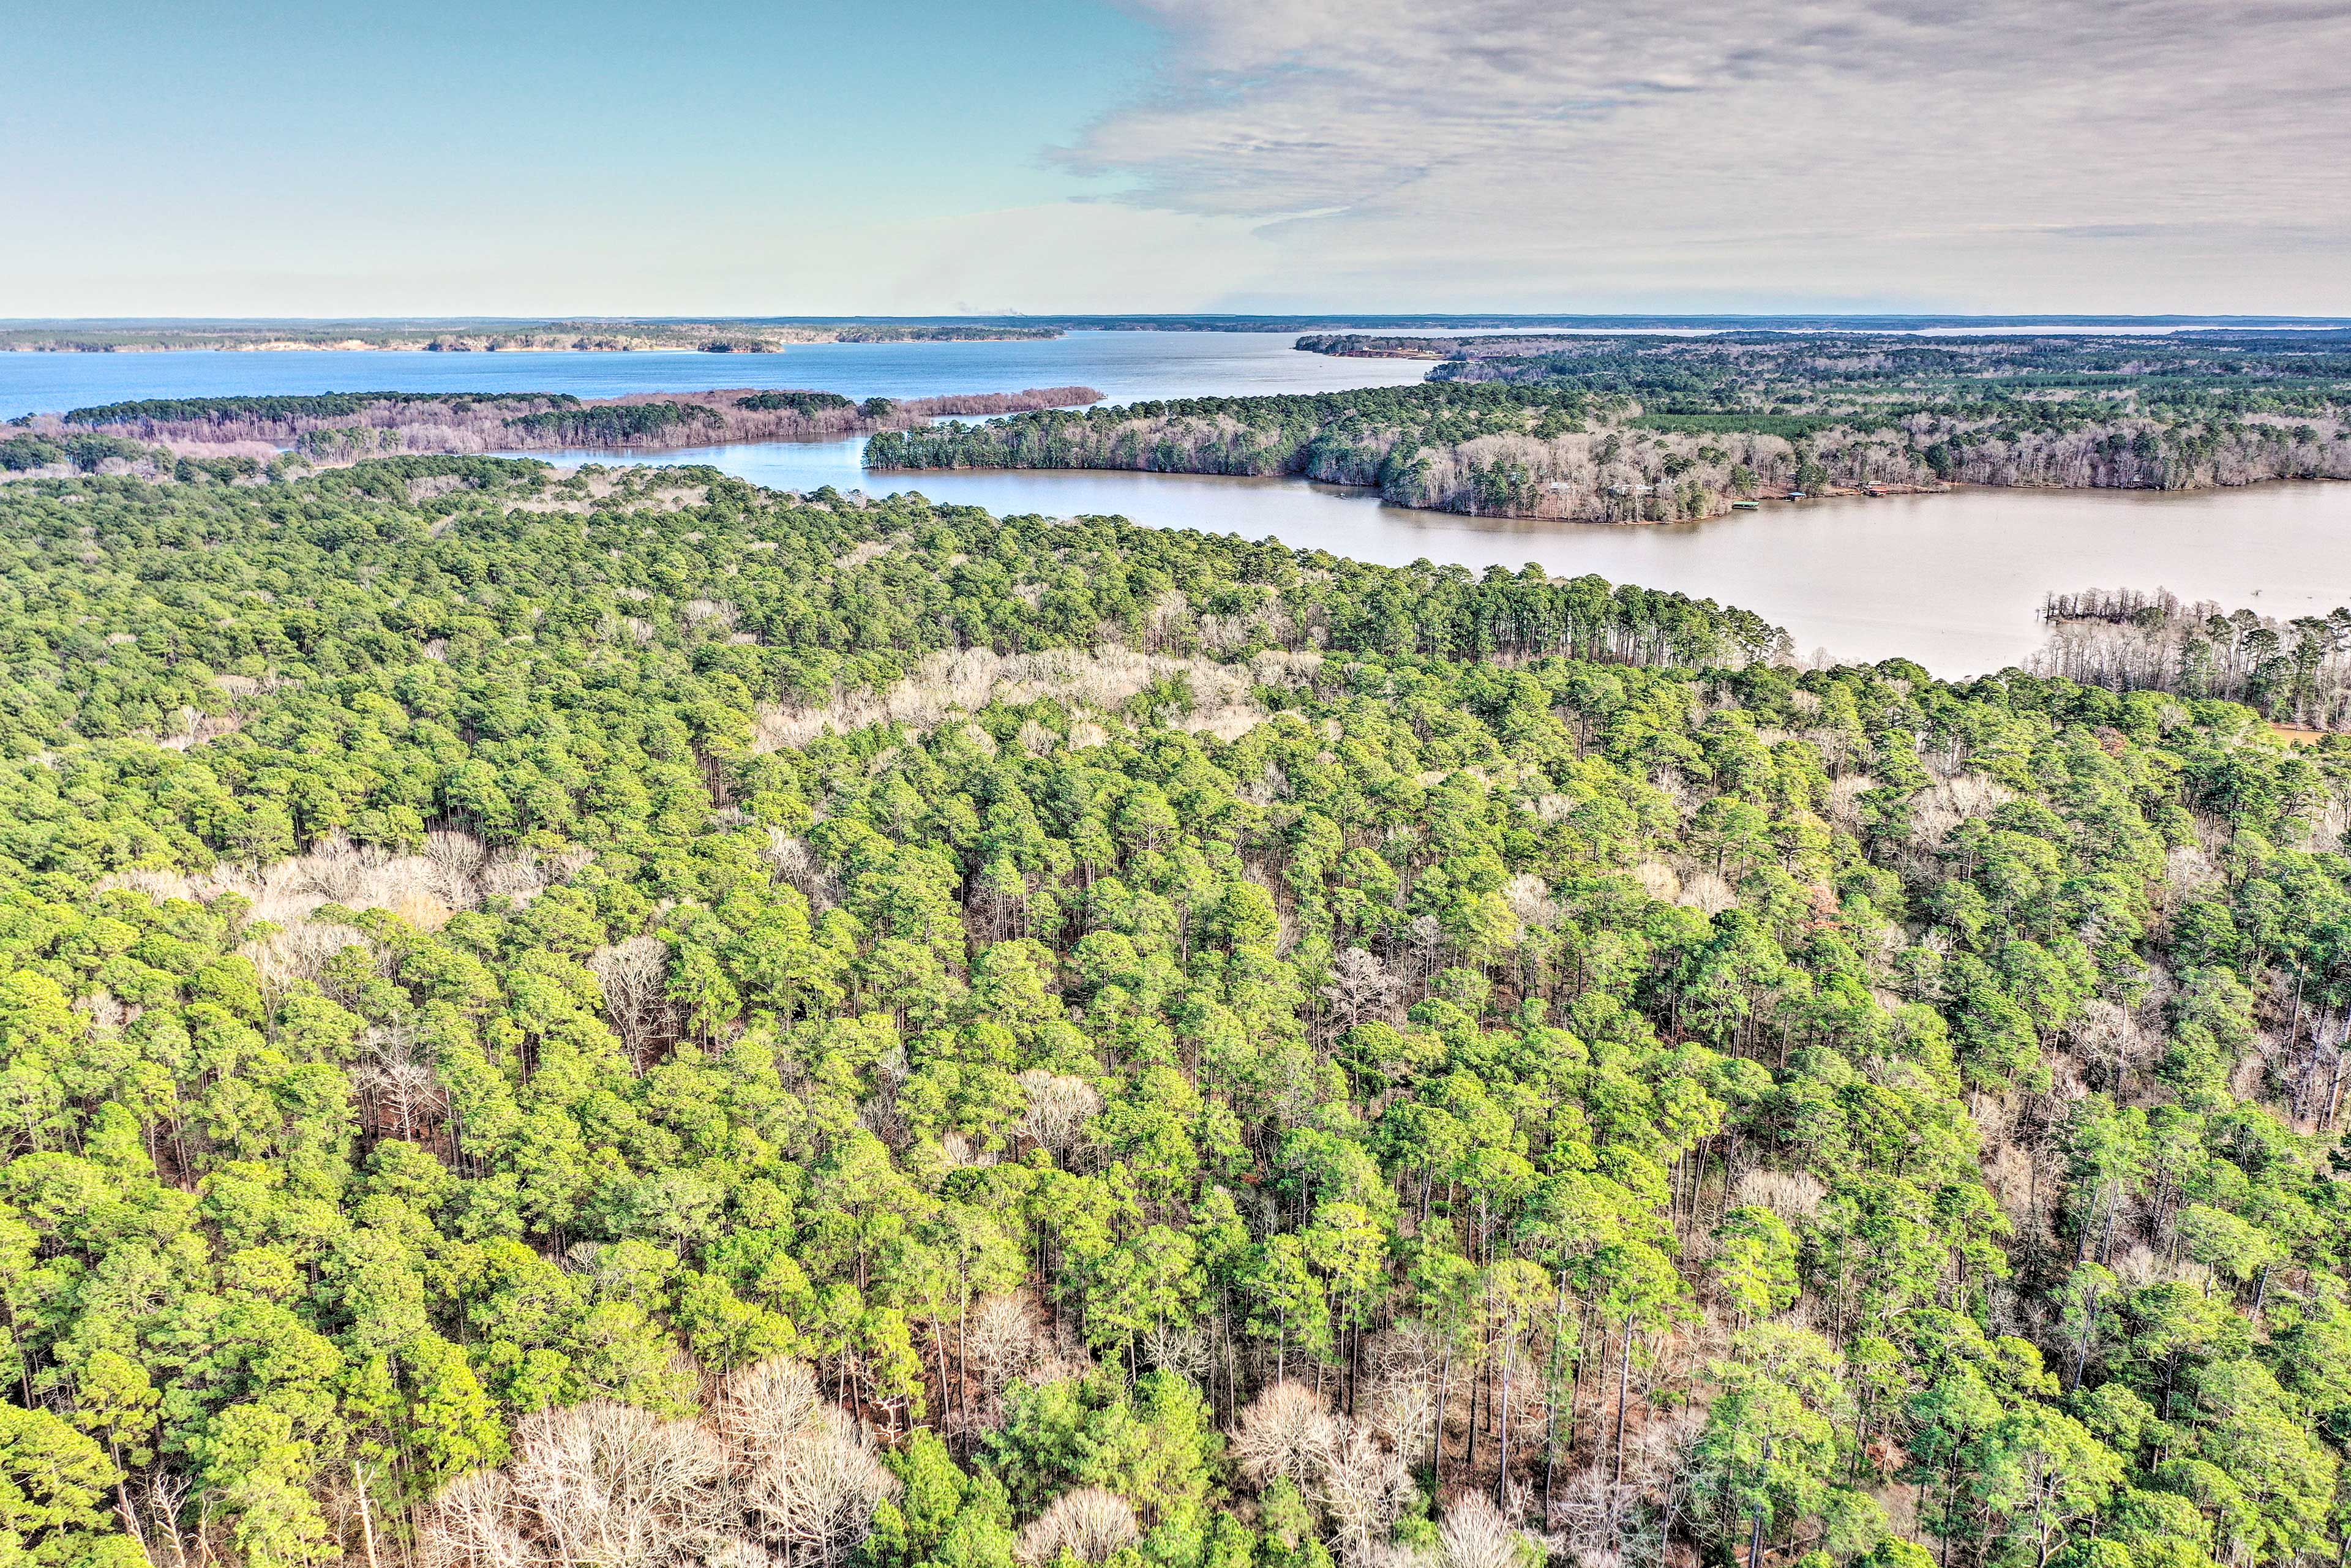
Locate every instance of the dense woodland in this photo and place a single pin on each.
(1487, 448)
(1457, 448)
(633, 1020)
(1621, 429)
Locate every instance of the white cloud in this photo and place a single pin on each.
(2046, 155)
(2091, 155)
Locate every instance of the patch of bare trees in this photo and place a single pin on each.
(807, 1477)
(2126, 639)
(597, 1483)
(1001, 1339)
(1359, 1481)
(774, 1474)
(1222, 696)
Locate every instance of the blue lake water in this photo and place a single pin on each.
(1123, 366)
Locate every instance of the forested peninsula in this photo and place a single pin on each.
(243, 436)
(1641, 429)
(630, 1020)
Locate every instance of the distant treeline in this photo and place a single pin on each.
(2296, 671)
(720, 335)
(1368, 346)
(621, 336)
(342, 427)
(244, 411)
(694, 418)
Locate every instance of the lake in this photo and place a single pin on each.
(1123, 366)
(1952, 581)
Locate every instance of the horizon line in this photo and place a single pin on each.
(1532, 318)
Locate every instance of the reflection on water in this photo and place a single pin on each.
(1952, 581)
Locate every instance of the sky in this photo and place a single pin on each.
(497, 157)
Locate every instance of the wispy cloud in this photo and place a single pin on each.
(1953, 149)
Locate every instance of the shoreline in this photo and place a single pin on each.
(336, 430)
(1839, 492)
(426, 347)
(530, 338)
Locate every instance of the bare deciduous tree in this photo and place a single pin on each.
(1426, 943)
(1181, 1350)
(1005, 1341)
(1607, 1522)
(1285, 1432)
(1360, 1481)
(400, 1079)
(1058, 1109)
(1407, 1365)
(301, 952)
(1475, 1535)
(1361, 988)
(513, 874)
(760, 1407)
(1089, 1523)
(796, 862)
(475, 1526)
(635, 980)
(454, 858)
(1364, 1487)
(1530, 899)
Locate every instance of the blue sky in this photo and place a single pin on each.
(510, 158)
(527, 107)
(499, 156)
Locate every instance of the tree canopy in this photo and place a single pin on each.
(628, 1018)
